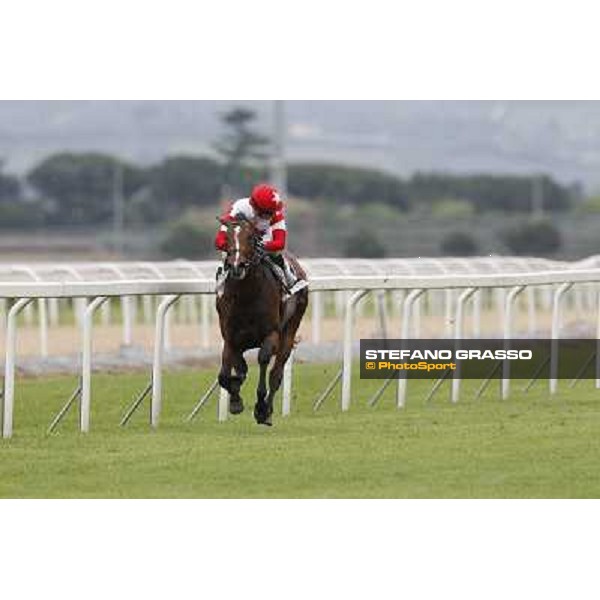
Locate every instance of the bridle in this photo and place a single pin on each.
(238, 269)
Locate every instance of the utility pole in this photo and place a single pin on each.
(278, 165)
(537, 196)
(118, 209)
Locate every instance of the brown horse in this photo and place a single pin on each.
(252, 314)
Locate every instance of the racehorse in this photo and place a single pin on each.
(253, 314)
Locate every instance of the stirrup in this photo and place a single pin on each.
(299, 285)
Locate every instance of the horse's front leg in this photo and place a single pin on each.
(262, 410)
(236, 403)
(229, 382)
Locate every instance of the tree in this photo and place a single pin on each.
(180, 182)
(81, 186)
(186, 239)
(459, 243)
(364, 244)
(537, 237)
(452, 208)
(10, 188)
(350, 185)
(241, 146)
(489, 192)
(590, 205)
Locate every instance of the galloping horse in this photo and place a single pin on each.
(252, 314)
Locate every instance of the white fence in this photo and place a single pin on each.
(52, 311)
(169, 289)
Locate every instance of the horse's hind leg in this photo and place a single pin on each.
(285, 349)
(262, 410)
(276, 375)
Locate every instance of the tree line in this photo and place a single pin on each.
(71, 189)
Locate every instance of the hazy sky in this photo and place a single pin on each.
(561, 138)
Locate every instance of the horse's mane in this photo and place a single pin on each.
(241, 218)
(237, 218)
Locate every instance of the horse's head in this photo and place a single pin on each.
(242, 242)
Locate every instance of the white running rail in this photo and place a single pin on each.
(23, 292)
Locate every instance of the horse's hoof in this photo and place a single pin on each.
(236, 407)
(262, 417)
(264, 420)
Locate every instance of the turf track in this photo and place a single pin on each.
(529, 446)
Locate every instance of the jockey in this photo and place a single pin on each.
(265, 210)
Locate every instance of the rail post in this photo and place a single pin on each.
(86, 363)
(556, 305)
(511, 298)
(9, 365)
(458, 329)
(412, 297)
(347, 357)
(316, 316)
(286, 401)
(159, 347)
(598, 342)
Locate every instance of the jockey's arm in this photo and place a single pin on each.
(277, 243)
(221, 237)
(278, 233)
(221, 240)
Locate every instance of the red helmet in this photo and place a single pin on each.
(265, 198)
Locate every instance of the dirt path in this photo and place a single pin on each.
(65, 340)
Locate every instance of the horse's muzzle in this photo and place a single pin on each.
(238, 272)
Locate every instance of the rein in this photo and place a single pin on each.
(256, 238)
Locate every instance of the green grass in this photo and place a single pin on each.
(529, 446)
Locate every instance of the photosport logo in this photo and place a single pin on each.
(480, 358)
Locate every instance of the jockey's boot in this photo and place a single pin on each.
(291, 283)
(281, 268)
